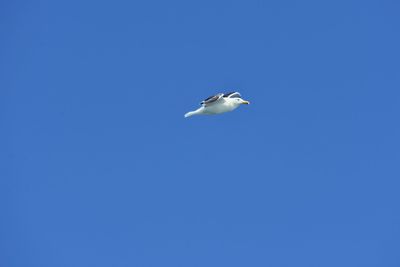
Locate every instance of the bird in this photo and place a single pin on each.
(219, 103)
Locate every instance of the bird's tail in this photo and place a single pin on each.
(198, 111)
(191, 113)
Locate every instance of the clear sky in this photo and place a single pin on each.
(99, 167)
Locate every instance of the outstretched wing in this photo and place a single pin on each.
(233, 95)
(212, 99)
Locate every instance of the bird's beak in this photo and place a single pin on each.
(245, 102)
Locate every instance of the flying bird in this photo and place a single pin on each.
(219, 103)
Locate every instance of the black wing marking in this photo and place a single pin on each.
(233, 95)
(211, 99)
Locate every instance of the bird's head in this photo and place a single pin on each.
(240, 101)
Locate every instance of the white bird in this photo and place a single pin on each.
(219, 103)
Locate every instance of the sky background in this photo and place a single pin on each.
(99, 167)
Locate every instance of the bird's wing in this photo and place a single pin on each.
(212, 99)
(232, 95)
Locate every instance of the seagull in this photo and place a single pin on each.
(219, 103)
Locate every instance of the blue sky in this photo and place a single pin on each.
(101, 169)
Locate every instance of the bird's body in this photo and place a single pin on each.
(219, 103)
